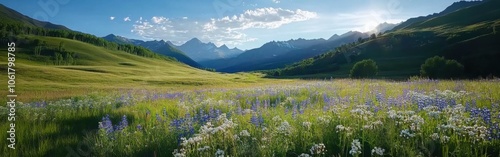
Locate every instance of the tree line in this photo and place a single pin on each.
(15, 28)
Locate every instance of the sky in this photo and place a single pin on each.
(245, 24)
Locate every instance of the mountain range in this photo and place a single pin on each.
(161, 47)
(200, 51)
(191, 52)
(278, 54)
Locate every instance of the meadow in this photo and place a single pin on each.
(339, 117)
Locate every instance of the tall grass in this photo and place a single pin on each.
(315, 118)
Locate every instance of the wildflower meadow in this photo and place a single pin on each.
(305, 118)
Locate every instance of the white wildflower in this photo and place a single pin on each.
(368, 127)
(325, 120)
(179, 153)
(202, 149)
(244, 133)
(276, 119)
(378, 151)
(307, 125)
(355, 148)
(340, 128)
(318, 149)
(219, 153)
(434, 114)
(406, 134)
(248, 111)
(444, 139)
(347, 130)
(435, 136)
(304, 155)
(392, 114)
(285, 128)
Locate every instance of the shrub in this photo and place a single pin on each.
(364, 69)
(440, 68)
(277, 73)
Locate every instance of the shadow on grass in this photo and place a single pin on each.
(70, 140)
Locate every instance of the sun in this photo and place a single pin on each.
(369, 26)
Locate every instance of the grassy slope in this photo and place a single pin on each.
(9, 15)
(100, 69)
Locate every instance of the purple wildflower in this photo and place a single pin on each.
(123, 123)
(261, 119)
(106, 124)
(158, 118)
(239, 110)
(254, 120)
(254, 107)
(294, 112)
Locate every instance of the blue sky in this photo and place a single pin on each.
(245, 24)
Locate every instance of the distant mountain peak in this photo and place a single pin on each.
(110, 35)
(201, 51)
(224, 47)
(194, 40)
(333, 37)
(211, 44)
(170, 43)
(121, 39)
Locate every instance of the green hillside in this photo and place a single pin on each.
(486, 12)
(100, 69)
(452, 8)
(467, 35)
(8, 15)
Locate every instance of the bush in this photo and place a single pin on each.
(277, 73)
(440, 68)
(364, 69)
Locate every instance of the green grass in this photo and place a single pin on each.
(98, 74)
(67, 125)
(100, 69)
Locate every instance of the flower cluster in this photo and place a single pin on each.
(285, 128)
(318, 149)
(355, 148)
(378, 151)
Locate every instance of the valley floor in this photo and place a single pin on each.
(339, 117)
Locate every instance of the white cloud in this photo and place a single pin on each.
(226, 30)
(276, 1)
(185, 18)
(112, 18)
(159, 20)
(126, 19)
